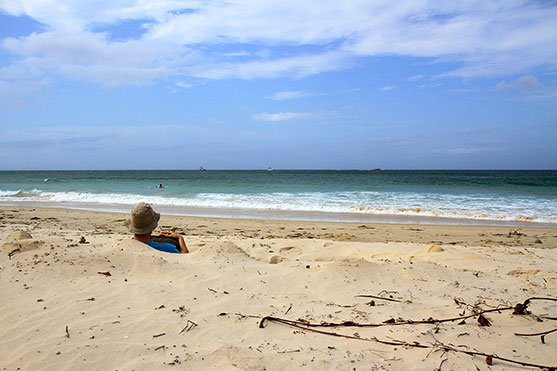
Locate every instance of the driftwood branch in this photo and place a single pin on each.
(373, 339)
(520, 308)
(415, 344)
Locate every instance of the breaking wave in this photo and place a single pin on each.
(496, 208)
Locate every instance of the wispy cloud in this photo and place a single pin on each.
(387, 88)
(523, 83)
(183, 85)
(479, 38)
(459, 91)
(281, 116)
(471, 150)
(415, 77)
(284, 95)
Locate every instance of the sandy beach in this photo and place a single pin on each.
(78, 293)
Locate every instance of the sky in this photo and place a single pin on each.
(290, 84)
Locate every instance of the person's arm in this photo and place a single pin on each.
(183, 247)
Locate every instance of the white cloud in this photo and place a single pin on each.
(387, 88)
(471, 150)
(283, 95)
(482, 38)
(183, 85)
(459, 91)
(415, 77)
(523, 83)
(281, 116)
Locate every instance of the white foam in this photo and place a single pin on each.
(364, 203)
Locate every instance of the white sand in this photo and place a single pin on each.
(202, 310)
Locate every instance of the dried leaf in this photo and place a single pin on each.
(483, 321)
(520, 309)
(105, 273)
(392, 320)
(489, 360)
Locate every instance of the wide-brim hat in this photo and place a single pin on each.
(143, 219)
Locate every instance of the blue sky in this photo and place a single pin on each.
(293, 84)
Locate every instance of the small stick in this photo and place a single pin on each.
(157, 335)
(13, 252)
(189, 326)
(290, 351)
(539, 333)
(378, 297)
(161, 347)
(67, 332)
(441, 364)
(247, 315)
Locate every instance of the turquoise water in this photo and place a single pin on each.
(491, 197)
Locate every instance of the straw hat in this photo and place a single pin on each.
(143, 219)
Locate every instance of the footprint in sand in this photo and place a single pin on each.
(288, 248)
(275, 259)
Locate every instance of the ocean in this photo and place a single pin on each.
(389, 196)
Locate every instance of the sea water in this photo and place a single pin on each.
(447, 197)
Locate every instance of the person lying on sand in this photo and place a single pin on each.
(142, 223)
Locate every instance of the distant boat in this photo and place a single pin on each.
(201, 168)
(270, 169)
(376, 169)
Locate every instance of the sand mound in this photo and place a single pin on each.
(13, 248)
(350, 268)
(230, 357)
(19, 235)
(131, 245)
(221, 250)
(19, 241)
(426, 251)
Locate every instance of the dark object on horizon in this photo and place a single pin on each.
(201, 168)
(376, 169)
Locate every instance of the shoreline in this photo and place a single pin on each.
(300, 216)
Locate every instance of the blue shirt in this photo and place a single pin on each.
(164, 247)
